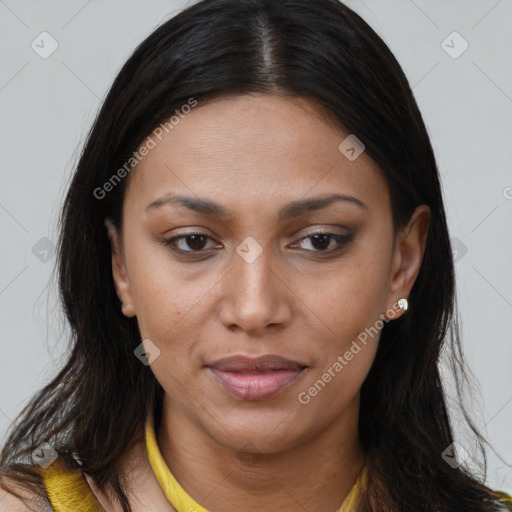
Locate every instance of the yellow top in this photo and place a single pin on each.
(182, 502)
(69, 491)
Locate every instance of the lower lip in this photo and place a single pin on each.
(255, 385)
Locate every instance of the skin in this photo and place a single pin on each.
(253, 154)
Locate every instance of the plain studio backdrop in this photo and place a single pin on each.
(58, 60)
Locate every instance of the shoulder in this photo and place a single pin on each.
(9, 501)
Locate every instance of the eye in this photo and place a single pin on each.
(195, 241)
(326, 242)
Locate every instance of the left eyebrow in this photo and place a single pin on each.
(301, 206)
(207, 207)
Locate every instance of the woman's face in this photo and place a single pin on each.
(254, 280)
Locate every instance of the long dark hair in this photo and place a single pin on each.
(319, 50)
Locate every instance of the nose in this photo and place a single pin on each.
(256, 297)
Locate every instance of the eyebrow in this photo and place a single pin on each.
(290, 210)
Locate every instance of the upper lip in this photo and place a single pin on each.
(255, 364)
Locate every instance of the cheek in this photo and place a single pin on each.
(346, 358)
(350, 307)
(331, 390)
(159, 302)
(164, 291)
(353, 298)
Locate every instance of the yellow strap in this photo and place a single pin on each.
(68, 491)
(350, 502)
(179, 498)
(176, 495)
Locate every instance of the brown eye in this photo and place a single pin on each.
(191, 242)
(321, 241)
(326, 242)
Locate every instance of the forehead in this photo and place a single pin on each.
(255, 151)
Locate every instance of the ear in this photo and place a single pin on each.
(407, 257)
(120, 275)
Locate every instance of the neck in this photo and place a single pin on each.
(315, 475)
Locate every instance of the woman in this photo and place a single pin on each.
(255, 263)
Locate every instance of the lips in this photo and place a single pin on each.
(255, 378)
(258, 364)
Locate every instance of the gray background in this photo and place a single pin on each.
(48, 104)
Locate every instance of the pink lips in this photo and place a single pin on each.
(255, 378)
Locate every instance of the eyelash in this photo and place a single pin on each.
(342, 240)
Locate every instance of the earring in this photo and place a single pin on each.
(403, 304)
